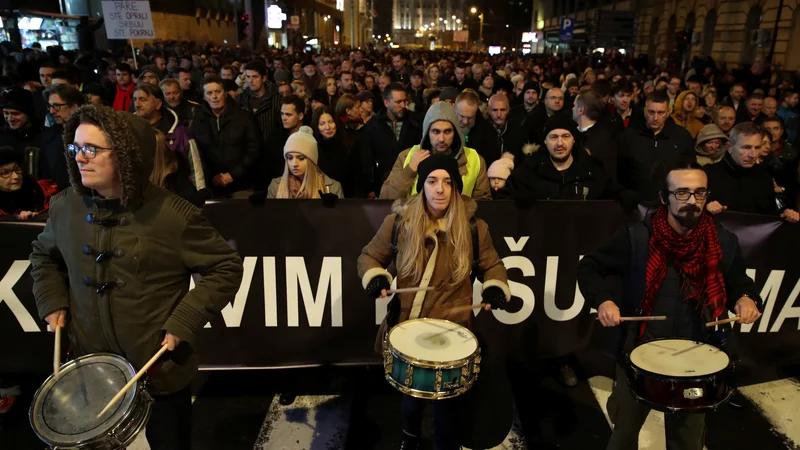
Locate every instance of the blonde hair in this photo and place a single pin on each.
(313, 182)
(165, 162)
(414, 226)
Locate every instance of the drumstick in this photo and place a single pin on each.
(720, 322)
(134, 380)
(57, 352)
(639, 318)
(411, 289)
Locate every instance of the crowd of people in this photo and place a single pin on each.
(521, 128)
(376, 124)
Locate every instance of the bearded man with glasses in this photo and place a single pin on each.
(676, 263)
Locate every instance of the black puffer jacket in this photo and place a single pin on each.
(538, 179)
(229, 143)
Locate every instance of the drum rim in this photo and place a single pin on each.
(128, 400)
(675, 410)
(452, 364)
(428, 395)
(661, 376)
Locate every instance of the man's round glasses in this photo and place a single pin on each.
(88, 151)
(683, 195)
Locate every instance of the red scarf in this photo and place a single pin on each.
(697, 256)
(122, 101)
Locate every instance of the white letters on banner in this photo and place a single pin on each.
(329, 286)
(128, 20)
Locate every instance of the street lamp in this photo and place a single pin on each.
(480, 16)
(453, 17)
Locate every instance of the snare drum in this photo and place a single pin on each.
(431, 358)
(680, 375)
(64, 410)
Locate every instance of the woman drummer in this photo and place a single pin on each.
(434, 241)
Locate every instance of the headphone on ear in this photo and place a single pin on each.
(663, 195)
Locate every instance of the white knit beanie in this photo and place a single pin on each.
(501, 168)
(302, 142)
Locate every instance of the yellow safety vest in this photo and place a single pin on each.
(473, 168)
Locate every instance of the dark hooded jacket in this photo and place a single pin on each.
(538, 179)
(26, 142)
(121, 266)
(231, 143)
(378, 146)
(743, 190)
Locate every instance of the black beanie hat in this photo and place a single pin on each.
(532, 85)
(436, 162)
(21, 100)
(561, 121)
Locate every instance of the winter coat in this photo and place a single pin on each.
(483, 138)
(229, 143)
(640, 150)
(783, 165)
(334, 187)
(685, 119)
(339, 159)
(401, 179)
(152, 240)
(185, 111)
(625, 255)
(31, 196)
(180, 183)
(611, 118)
(53, 158)
(268, 113)
(378, 146)
(538, 179)
(179, 139)
(377, 256)
(791, 123)
(600, 142)
(709, 132)
(743, 190)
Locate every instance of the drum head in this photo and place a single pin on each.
(433, 340)
(65, 408)
(679, 358)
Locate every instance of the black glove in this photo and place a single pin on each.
(376, 285)
(494, 297)
(328, 200)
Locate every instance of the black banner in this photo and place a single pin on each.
(301, 302)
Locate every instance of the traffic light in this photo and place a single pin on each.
(241, 26)
(682, 38)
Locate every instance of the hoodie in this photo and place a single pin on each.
(709, 132)
(684, 119)
(134, 145)
(401, 179)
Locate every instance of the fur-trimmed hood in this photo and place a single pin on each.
(400, 205)
(133, 141)
(442, 111)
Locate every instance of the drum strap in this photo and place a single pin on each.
(476, 246)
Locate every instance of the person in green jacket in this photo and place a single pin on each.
(113, 263)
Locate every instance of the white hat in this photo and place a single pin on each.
(302, 142)
(501, 168)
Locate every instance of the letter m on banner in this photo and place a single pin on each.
(330, 275)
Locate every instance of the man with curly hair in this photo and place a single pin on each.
(114, 261)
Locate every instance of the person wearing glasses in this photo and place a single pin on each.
(114, 261)
(20, 195)
(62, 100)
(740, 184)
(677, 262)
